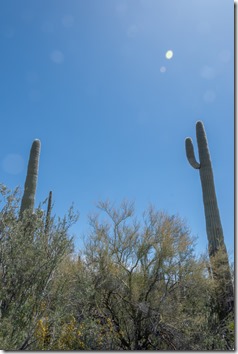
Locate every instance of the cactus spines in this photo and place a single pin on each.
(213, 221)
(28, 198)
(216, 246)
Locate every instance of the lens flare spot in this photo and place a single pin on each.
(169, 54)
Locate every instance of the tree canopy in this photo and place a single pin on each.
(135, 285)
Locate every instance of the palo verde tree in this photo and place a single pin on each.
(145, 278)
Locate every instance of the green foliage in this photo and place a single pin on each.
(144, 276)
(26, 269)
(134, 286)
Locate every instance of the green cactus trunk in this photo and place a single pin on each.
(212, 216)
(48, 216)
(28, 199)
(213, 221)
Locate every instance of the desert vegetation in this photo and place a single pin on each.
(136, 284)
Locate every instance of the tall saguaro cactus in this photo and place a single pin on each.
(213, 221)
(216, 245)
(28, 198)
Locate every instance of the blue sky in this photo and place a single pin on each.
(90, 79)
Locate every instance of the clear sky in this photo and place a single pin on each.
(91, 80)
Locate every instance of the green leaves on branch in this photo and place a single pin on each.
(26, 270)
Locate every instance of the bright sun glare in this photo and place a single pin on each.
(169, 54)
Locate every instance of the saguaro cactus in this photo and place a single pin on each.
(213, 221)
(220, 269)
(28, 198)
(48, 214)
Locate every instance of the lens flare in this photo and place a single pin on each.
(169, 54)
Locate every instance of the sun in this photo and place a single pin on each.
(169, 54)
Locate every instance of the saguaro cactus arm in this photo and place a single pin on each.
(190, 153)
(28, 198)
